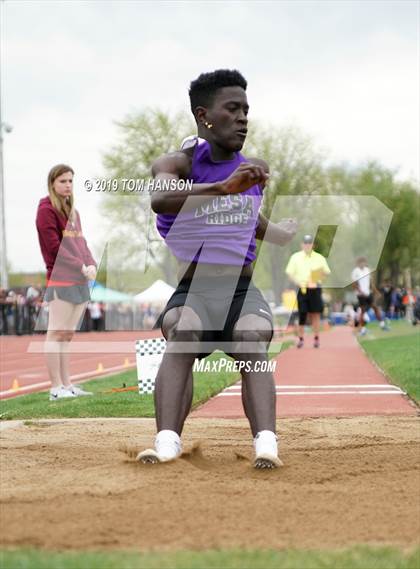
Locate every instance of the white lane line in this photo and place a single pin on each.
(25, 388)
(341, 386)
(45, 384)
(305, 393)
(29, 375)
(88, 347)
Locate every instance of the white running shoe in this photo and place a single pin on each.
(57, 393)
(266, 452)
(77, 391)
(168, 447)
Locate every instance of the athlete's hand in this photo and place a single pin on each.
(91, 273)
(288, 228)
(243, 178)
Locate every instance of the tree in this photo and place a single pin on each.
(296, 169)
(400, 250)
(132, 236)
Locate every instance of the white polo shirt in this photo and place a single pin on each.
(362, 276)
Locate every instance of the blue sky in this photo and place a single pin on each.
(345, 72)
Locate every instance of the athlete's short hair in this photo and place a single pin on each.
(203, 89)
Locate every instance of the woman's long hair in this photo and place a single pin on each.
(63, 205)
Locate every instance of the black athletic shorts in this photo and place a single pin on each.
(76, 294)
(311, 301)
(365, 301)
(210, 301)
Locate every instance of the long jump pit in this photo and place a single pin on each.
(75, 484)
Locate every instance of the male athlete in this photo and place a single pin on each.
(366, 289)
(211, 230)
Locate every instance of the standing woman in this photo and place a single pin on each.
(70, 266)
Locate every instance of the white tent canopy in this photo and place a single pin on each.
(159, 291)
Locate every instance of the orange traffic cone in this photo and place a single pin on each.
(15, 385)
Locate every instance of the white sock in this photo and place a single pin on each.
(382, 324)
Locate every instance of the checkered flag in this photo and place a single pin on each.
(148, 357)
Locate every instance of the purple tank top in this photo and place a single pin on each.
(219, 230)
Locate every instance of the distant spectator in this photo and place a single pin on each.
(4, 328)
(396, 302)
(387, 290)
(416, 307)
(95, 315)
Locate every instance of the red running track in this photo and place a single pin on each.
(335, 380)
(23, 360)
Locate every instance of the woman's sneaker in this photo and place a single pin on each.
(266, 452)
(77, 391)
(57, 393)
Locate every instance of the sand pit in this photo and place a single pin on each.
(67, 485)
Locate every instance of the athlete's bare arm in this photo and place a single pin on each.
(177, 166)
(277, 233)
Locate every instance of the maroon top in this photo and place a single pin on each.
(63, 246)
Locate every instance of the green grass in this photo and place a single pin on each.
(353, 558)
(397, 353)
(123, 404)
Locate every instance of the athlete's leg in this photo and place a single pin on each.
(186, 401)
(173, 386)
(364, 306)
(316, 325)
(251, 336)
(363, 310)
(301, 328)
(316, 322)
(378, 314)
(302, 304)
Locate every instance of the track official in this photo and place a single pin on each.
(307, 269)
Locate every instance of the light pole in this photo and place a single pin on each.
(3, 250)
